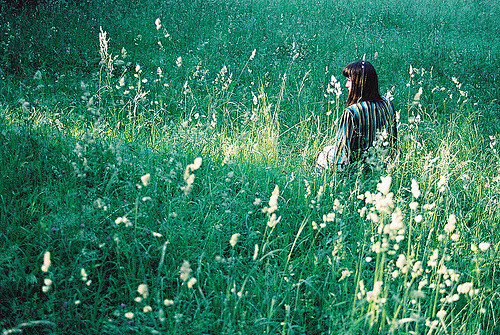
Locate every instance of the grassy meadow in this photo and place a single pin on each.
(157, 168)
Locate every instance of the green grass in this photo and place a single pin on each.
(315, 254)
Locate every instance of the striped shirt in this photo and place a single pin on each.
(359, 125)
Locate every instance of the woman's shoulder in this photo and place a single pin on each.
(388, 101)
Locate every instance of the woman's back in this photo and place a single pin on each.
(368, 118)
(367, 115)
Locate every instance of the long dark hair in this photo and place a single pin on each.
(364, 82)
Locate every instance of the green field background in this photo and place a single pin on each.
(161, 154)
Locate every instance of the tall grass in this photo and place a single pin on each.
(162, 181)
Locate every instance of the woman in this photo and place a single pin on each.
(368, 119)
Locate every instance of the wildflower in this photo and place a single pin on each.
(252, 56)
(416, 98)
(473, 247)
(383, 204)
(185, 271)
(464, 288)
(417, 269)
(191, 282)
(273, 221)
(46, 261)
(344, 274)
(273, 201)
(143, 290)
(234, 239)
(455, 237)
(401, 262)
(314, 225)
(442, 183)
(397, 220)
(83, 274)
(415, 189)
(373, 217)
(432, 262)
(196, 164)
(450, 226)
(418, 218)
(429, 207)
(413, 205)
(255, 252)
(147, 309)
(129, 315)
(483, 246)
(385, 184)
(441, 314)
(124, 220)
(146, 179)
(168, 302)
(330, 217)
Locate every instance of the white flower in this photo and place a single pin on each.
(191, 282)
(197, 163)
(385, 185)
(234, 239)
(464, 288)
(146, 179)
(147, 309)
(253, 54)
(185, 271)
(397, 220)
(450, 226)
(401, 262)
(46, 261)
(143, 290)
(168, 302)
(273, 201)
(442, 183)
(129, 315)
(344, 274)
(483, 246)
(255, 252)
(83, 274)
(158, 23)
(415, 189)
(273, 220)
(441, 314)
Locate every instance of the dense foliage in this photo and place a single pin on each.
(157, 168)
